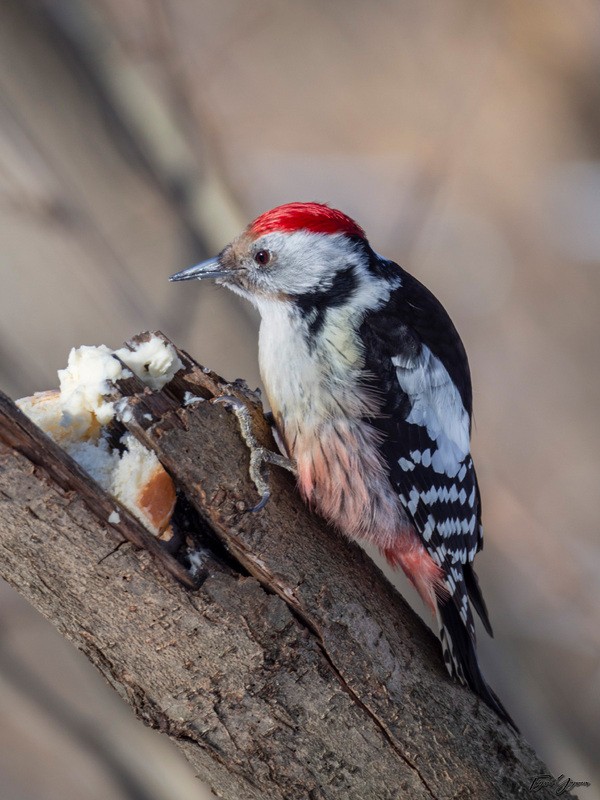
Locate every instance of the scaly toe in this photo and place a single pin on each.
(261, 504)
(259, 455)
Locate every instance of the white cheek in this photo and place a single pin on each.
(304, 261)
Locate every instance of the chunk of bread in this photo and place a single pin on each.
(135, 477)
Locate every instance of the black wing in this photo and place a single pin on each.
(420, 368)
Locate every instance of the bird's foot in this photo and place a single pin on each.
(259, 456)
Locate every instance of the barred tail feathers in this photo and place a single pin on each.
(460, 657)
(447, 596)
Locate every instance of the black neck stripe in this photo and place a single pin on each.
(314, 304)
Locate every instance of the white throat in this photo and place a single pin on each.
(313, 377)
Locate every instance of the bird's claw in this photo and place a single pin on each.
(261, 503)
(259, 455)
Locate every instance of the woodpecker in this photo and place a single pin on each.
(370, 391)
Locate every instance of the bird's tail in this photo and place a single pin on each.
(460, 656)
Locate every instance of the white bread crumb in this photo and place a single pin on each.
(155, 362)
(189, 399)
(75, 415)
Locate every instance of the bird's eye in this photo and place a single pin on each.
(262, 257)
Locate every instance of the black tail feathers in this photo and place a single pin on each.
(460, 657)
(475, 596)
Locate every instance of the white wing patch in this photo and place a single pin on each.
(437, 406)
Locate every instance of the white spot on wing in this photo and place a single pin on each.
(429, 528)
(413, 501)
(437, 406)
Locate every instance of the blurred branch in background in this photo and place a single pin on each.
(62, 188)
(463, 136)
(156, 127)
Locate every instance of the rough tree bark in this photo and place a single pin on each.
(294, 669)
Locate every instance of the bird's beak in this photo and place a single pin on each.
(207, 269)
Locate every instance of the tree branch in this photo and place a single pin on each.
(295, 670)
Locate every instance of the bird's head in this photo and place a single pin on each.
(287, 253)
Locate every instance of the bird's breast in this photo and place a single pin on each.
(321, 401)
(312, 377)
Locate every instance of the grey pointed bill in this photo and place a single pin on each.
(206, 269)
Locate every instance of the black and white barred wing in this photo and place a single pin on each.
(434, 474)
(422, 374)
(420, 370)
(431, 468)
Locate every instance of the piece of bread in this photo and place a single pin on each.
(141, 483)
(134, 476)
(46, 410)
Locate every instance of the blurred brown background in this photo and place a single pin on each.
(137, 136)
